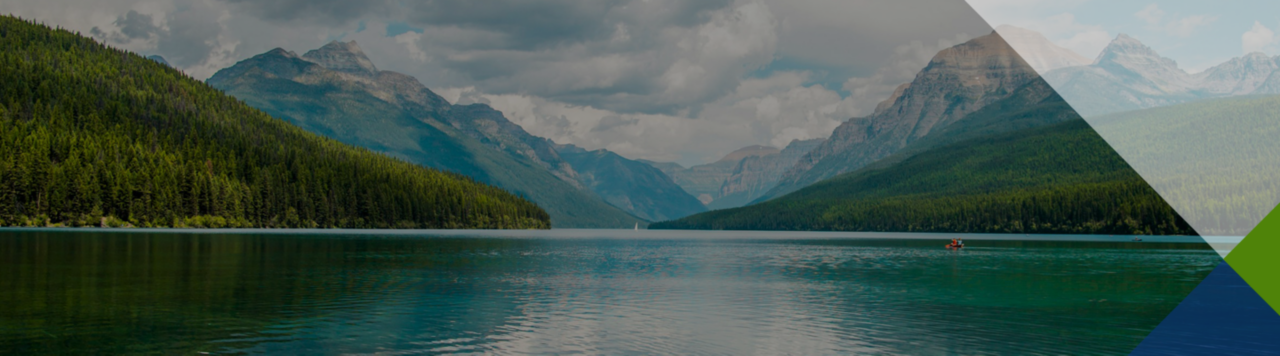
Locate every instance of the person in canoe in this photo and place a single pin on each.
(956, 243)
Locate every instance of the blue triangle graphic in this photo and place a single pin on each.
(1222, 316)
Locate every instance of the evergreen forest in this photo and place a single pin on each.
(97, 136)
(1056, 179)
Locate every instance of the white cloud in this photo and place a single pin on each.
(1151, 14)
(1258, 39)
(771, 111)
(1180, 27)
(410, 41)
(1091, 42)
(1065, 31)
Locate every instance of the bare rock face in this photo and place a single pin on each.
(957, 81)
(704, 181)
(750, 151)
(1127, 56)
(343, 57)
(491, 127)
(1255, 73)
(1126, 76)
(1238, 76)
(1129, 75)
(755, 175)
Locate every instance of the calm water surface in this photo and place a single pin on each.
(595, 293)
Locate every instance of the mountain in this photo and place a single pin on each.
(957, 81)
(704, 181)
(336, 91)
(1248, 70)
(1040, 53)
(749, 151)
(1061, 178)
(631, 185)
(488, 125)
(159, 59)
(95, 136)
(1238, 76)
(345, 57)
(1130, 76)
(1126, 76)
(756, 174)
(1033, 105)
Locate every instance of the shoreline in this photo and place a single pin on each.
(629, 233)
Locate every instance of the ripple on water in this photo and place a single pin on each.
(278, 293)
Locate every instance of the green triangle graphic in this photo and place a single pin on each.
(1255, 259)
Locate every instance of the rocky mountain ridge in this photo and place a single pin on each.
(957, 81)
(731, 180)
(634, 186)
(1129, 75)
(755, 175)
(338, 92)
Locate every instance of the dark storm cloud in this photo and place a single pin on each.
(132, 26)
(136, 26)
(188, 37)
(529, 24)
(191, 38)
(613, 121)
(325, 11)
(626, 55)
(856, 37)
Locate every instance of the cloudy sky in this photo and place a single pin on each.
(1197, 34)
(666, 80)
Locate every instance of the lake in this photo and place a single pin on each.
(585, 292)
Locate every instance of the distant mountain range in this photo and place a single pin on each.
(964, 79)
(702, 181)
(1129, 75)
(980, 88)
(755, 175)
(977, 142)
(337, 91)
(740, 176)
(1059, 178)
(634, 186)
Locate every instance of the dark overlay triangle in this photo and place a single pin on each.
(1222, 316)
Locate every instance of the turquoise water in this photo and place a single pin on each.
(584, 292)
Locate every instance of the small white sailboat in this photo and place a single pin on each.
(637, 227)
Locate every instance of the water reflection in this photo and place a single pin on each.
(328, 293)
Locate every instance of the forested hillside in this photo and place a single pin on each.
(335, 91)
(1061, 178)
(1215, 160)
(98, 136)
